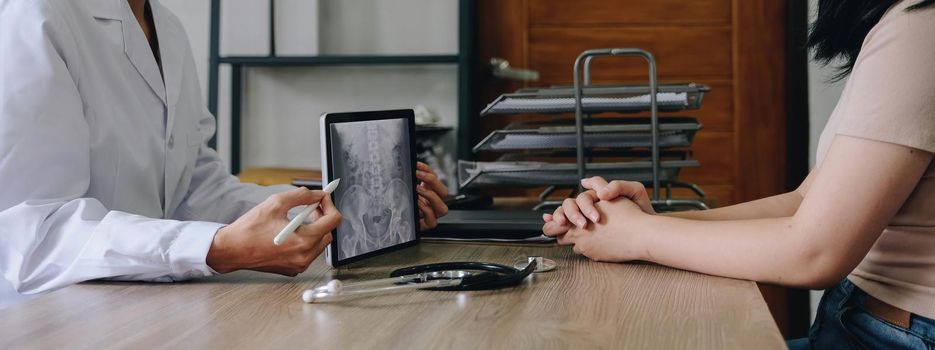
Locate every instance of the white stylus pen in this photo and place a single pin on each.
(296, 221)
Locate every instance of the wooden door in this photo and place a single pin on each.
(735, 46)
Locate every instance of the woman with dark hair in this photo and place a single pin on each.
(861, 224)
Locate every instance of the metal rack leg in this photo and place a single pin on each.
(236, 104)
(214, 66)
(585, 58)
(467, 10)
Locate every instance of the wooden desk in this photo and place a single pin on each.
(580, 305)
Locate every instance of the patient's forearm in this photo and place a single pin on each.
(766, 250)
(777, 206)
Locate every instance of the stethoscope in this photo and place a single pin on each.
(449, 276)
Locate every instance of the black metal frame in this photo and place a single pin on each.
(464, 60)
(797, 132)
(585, 60)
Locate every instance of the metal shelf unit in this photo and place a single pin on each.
(654, 171)
(339, 60)
(463, 60)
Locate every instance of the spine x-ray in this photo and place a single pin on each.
(372, 159)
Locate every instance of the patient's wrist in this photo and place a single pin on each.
(641, 236)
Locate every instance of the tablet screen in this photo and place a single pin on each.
(373, 159)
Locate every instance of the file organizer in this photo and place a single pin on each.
(604, 132)
(649, 145)
(534, 174)
(598, 99)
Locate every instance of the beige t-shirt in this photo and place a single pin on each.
(890, 97)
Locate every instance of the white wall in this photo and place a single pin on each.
(194, 15)
(281, 106)
(389, 26)
(822, 97)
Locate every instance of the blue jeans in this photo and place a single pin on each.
(842, 323)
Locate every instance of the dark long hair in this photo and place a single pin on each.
(841, 26)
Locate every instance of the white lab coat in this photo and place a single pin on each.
(104, 169)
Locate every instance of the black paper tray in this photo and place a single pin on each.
(599, 133)
(535, 174)
(569, 155)
(599, 99)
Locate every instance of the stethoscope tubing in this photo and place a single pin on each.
(492, 276)
(427, 277)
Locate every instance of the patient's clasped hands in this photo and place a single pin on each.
(606, 222)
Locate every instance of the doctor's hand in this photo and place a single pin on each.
(431, 193)
(247, 243)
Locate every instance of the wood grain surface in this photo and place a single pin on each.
(580, 305)
(702, 53)
(760, 95)
(629, 12)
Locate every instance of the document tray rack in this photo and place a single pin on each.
(599, 99)
(537, 153)
(534, 174)
(599, 133)
(561, 155)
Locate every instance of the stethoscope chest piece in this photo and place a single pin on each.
(542, 264)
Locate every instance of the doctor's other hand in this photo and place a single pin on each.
(247, 243)
(614, 238)
(431, 193)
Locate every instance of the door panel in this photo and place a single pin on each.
(715, 151)
(654, 12)
(717, 108)
(717, 195)
(699, 52)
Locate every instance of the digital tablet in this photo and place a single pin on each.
(373, 153)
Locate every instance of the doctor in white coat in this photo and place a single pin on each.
(104, 168)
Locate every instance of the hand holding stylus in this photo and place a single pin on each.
(296, 221)
(245, 244)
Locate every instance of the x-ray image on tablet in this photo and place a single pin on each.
(372, 154)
